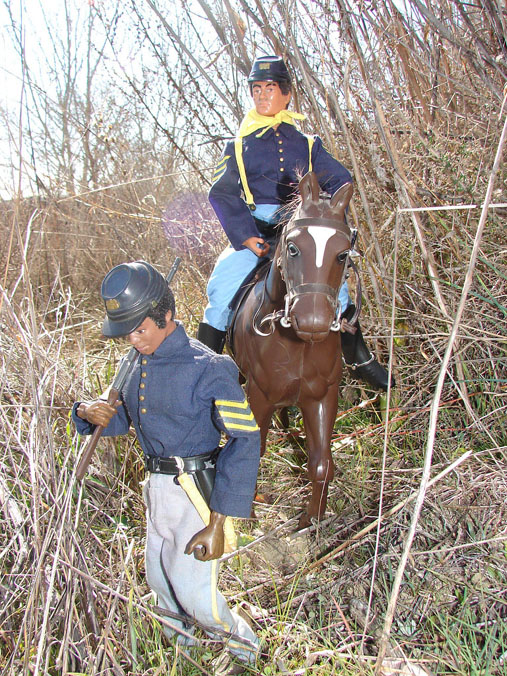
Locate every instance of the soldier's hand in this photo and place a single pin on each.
(208, 543)
(98, 412)
(257, 245)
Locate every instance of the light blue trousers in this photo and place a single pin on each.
(183, 584)
(230, 270)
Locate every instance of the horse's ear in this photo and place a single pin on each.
(340, 200)
(309, 188)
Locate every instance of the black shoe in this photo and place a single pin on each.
(211, 337)
(360, 361)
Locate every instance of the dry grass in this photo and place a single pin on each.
(418, 121)
(74, 596)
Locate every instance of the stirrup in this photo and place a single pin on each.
(355, 366)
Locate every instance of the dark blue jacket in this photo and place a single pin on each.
(180, 400)
(274, 164)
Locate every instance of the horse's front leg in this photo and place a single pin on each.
(319, 418)
(263, 411)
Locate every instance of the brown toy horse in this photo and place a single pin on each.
(286, 332)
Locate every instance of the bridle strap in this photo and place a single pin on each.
(310, 287)
(304, 288)
(302, 222)
(294, 292)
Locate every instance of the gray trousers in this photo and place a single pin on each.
(183, 584)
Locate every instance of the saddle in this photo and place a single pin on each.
(255, 275)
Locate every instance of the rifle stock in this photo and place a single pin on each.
(90, 447)
(114, 393)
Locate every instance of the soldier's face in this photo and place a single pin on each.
(148, 337)
(268, 98)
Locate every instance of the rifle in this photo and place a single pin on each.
(124, 371)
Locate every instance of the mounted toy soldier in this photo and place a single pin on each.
(180, 397)
(253, 186)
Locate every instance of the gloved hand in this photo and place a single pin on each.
(208, 543)
(99, 412)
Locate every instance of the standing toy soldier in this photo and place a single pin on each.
(180, 397)
(254, 183)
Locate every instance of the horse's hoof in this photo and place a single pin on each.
(304, 521)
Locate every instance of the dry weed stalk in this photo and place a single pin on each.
(410, 102)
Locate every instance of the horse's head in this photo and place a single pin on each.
(312, 256)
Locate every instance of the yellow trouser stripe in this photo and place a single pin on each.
(214, 608)
(214, 591)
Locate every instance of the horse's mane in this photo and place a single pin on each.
(288, 210)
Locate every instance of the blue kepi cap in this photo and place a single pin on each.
(269, 68)
(130, 291)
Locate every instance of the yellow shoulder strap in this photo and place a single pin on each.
(310, 146)
(238, 150)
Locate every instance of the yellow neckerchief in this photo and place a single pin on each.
(251, 123)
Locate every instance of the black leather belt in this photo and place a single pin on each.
(193, 463)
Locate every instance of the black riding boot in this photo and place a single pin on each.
(211, 337)
(361, 362)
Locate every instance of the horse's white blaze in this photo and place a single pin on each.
(320, 237)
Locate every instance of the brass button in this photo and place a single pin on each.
(281, 159)
(141, 397)
(280, 150)
(277, 133)
(142, 386)
(144, 361)
(143, 410)
(280, 142)
(282, 169)
(143, 374)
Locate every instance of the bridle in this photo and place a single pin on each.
(294, 291)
